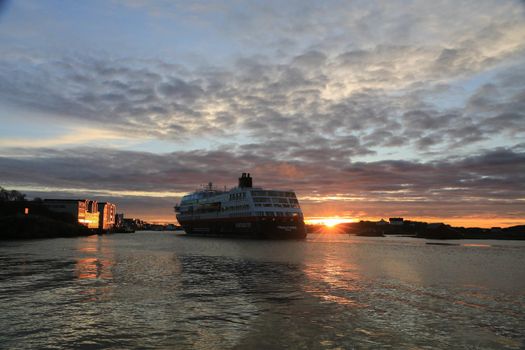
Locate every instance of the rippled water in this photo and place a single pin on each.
(161, 290)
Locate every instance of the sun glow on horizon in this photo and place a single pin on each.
(329, 221)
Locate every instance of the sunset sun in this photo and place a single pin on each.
(330, 221)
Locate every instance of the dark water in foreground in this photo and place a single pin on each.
(160, 290)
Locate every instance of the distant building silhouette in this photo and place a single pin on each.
(382, 222)
(396, 221)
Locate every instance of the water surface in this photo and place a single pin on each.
(162, 290)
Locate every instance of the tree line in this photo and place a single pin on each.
(12, 195)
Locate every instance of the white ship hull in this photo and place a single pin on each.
(243, 211)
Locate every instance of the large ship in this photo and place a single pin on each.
(244, 211)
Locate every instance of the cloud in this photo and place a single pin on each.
(178, 89)
(350, 99)
(492, 179)
(72, 137)
(380, 94)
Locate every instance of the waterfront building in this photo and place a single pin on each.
(119, 219)
(382, 222)
(396, 221)
(84, 211)
(107, 215)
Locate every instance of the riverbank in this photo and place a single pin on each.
(36, 226)
(408, 228)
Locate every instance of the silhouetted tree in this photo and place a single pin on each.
(6, 196)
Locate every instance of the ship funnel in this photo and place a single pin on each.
(245, 180)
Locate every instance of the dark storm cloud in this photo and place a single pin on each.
(492, 175)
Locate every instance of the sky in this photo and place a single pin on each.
(367, 109)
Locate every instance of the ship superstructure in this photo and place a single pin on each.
(242, 211)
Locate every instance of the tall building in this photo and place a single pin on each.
(119, 220)
(107, 215)
(85, 211)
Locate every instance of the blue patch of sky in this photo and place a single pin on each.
(19, 124)
(58, 26)
(462, 88)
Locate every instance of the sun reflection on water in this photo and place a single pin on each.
(97, 260)
(93, 268)
(334, 280)
(94, 265)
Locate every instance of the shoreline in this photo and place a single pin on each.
(16, 227)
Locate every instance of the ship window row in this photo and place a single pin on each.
(261, 200)
(195, 196)
(237, 196)
(207, 209)
(270, 205)
(236, 207)
(273, 194)
(278, 213)
(275, 200)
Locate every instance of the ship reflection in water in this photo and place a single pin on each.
(158, 290)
